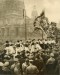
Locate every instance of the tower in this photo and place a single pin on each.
(34, 12)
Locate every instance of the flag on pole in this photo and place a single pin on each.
(42, 14)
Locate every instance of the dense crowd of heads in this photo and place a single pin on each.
(38, 57)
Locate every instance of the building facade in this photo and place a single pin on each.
(12, 19)
(14, 23)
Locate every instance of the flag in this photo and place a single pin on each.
(42, 14)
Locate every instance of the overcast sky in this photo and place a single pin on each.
(52, 8)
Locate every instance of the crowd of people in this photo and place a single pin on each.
(32, 57)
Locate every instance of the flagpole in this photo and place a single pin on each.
(25, 28)
(24, 15)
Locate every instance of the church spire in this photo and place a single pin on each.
(34, 12)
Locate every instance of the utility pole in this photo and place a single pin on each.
(24, 16)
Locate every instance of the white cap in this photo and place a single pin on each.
(31, 60)
(16, 59)
(6, 63)
(52, 55)
(1, 64)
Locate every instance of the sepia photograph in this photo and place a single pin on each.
(29, 37)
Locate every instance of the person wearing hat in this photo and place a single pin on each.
(25, 65)
(26, 47)
(6, 58)
(27, 54)
(16, 67)
(19, 47)
(17, 43)
(50, 65)
(6, 43)
(6, 68)
(38, 62)
(7, 48)
(17, 50)
(38, 46)
(11, 49)
(1, 65)
(33, 44)
(32, 55)
(32, 69)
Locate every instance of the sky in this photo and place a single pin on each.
(51, 7)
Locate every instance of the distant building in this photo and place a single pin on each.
(14, 22)
(34, 13)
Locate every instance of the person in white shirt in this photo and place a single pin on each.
(11, 49)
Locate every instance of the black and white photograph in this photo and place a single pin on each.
(29, 37)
